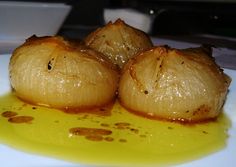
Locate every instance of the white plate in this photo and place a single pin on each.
(226, 157)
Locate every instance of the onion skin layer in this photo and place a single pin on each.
(178, 85)
(53, 72)
(118, 41)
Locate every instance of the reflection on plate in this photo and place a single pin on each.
(7, 46)
(223, 157)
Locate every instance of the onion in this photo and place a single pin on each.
(118, 41)
(183, 85)
(51, 71)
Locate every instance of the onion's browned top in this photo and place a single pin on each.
(118, 41)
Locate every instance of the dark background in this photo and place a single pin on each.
(173, 18)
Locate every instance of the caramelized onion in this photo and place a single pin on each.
(118, 41)
(53, 72)
(172, 84)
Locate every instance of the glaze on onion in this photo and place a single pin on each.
(118, 41)
(182, 85)
(53, 72)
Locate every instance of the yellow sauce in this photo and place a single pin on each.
(120, 138)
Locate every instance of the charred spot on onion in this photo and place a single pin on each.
(146, 92)
(49, 65)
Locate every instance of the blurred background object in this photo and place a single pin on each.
(197, 21)
(20, 20)
(129, 15)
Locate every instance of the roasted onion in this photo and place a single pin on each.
(118, 41)
(53, 72)
(182, 85)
